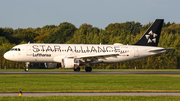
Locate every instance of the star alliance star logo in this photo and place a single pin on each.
(151, 37)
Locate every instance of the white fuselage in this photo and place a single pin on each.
(56, 52)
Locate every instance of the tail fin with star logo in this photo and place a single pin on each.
(151, 36)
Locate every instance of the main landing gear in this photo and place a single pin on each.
(77, 69)
(27, 65)
(88, 69)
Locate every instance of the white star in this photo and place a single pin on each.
(153, 35)
(151, 32)
(149, 41)
(154, 40)
(147, 36)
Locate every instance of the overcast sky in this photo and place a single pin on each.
(98, 13)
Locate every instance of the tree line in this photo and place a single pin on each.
(126, 33)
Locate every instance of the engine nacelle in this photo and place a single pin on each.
(70, 63)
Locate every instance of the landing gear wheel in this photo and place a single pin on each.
(26, 69)
(77, 70)
(27, 66)
(88, 69)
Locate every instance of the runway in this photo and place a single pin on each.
(93, 72)
(90, 94)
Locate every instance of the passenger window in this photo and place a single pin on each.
(19, 49)
(15, 49)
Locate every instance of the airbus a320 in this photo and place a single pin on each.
(74, 55)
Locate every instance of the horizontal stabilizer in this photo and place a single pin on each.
(159, 49)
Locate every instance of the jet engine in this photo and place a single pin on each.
(70, 63)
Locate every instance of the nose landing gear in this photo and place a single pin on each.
(27, 65)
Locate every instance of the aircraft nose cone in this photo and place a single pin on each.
(6, 55)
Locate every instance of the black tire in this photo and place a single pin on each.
(26, 69)
(88, 69)
(77, 70)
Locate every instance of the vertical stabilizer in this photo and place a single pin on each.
(151, 36)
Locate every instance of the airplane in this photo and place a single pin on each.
(71, 56)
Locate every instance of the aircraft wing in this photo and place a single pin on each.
(89, 58)
(98, 55)
(95, 57)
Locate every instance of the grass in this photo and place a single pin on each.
(92, 70)
(90, 83)
(93, 98)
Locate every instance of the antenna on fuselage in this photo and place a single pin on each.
(29, 42)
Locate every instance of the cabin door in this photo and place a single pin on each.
(136, 53)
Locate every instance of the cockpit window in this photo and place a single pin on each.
(12, 49)
(15, 49)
